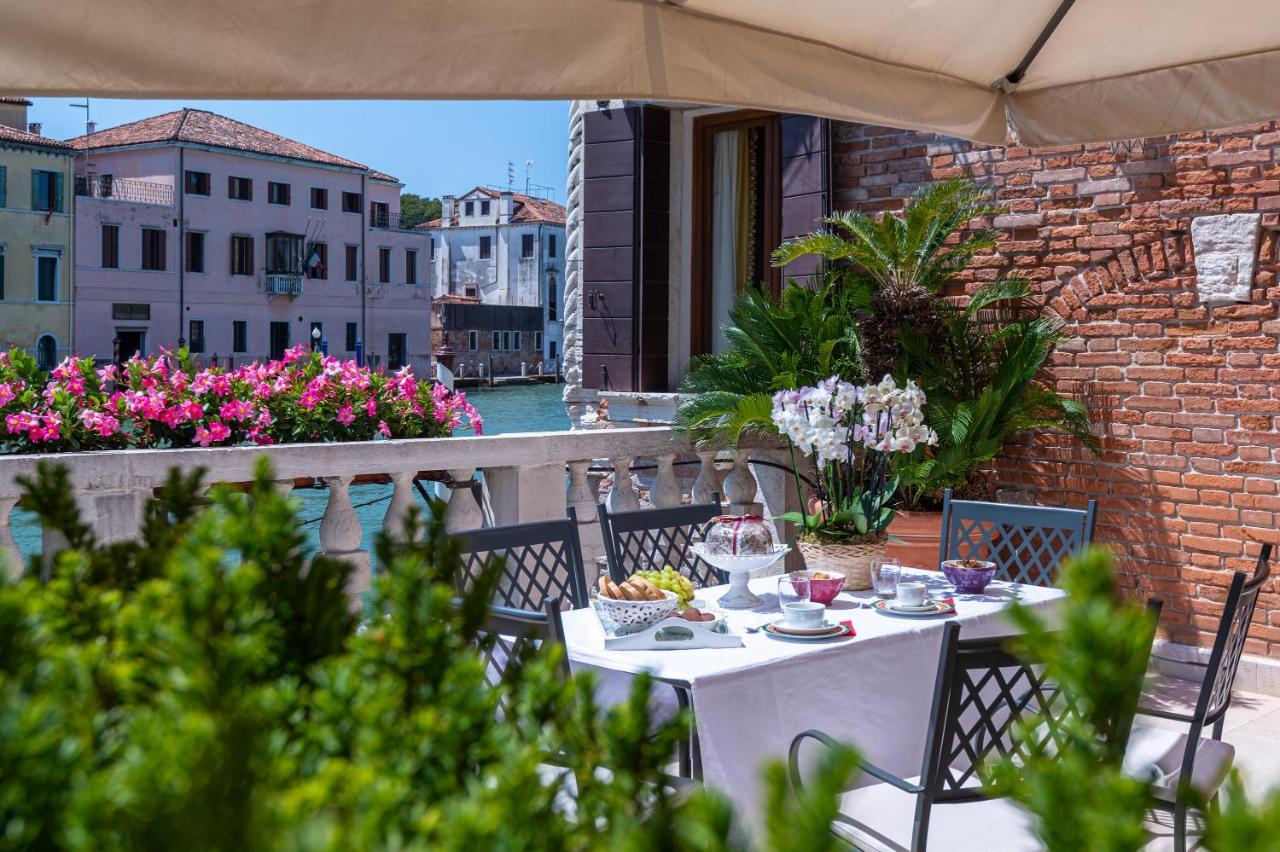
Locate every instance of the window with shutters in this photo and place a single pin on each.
(537, 341)
(195, 251)
(551, 246)
(469, 209)
(497, 341)
(484, 208)
(240, 188)
(197, 183)
(351, 202)
(351, 336)
(526, 245)
(153, 253)
(473, 341)
(486, 248)
(318, 260)
(110, 246)
(397, 351)
(48, 273)
(353, 263)
(410, 266)
(277, 193)
(319, 198)
(553, 300)
(195, 336)
(46, 191)
(379, 214)
(241, 254)
(239, 336)
(384, 266)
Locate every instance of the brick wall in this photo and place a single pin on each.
(1187, 395)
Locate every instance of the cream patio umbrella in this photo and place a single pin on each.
(1056, 71)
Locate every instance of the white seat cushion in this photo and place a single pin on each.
(881, 817)
(1156, 754)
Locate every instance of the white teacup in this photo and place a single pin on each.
(911, 593)
(804, 614)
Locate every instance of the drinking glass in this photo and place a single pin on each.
(793, 587)
(885, 572)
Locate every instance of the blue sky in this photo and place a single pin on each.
(434, 147)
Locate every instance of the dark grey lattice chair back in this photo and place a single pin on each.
(648, 539)
(1233, 630)
(540, 560)
(1027, 543)
(512, 635)
(983, 692)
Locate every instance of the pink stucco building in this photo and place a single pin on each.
(191, 226)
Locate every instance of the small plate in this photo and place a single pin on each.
(836, 632)
(897, 606)
(827, 628)
(934, 608)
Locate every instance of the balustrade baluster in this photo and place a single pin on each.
(340, 536)
(10, 556)
(666, 491)
(462, 511)
(622, 497)
(402, 501)
(708, 481)
(583, 501)
(740, 486)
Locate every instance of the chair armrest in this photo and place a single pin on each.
(1165, 714)
(866, 766)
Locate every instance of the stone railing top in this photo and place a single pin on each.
(141, 468)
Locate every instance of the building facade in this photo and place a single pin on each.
(477, 341)
(503, 249)
(1160, 256)
(239, 243)
(37, 272)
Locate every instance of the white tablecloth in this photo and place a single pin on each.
(873, 690)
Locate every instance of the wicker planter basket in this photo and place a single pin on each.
(851, 559)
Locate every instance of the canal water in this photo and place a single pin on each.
(515, 408)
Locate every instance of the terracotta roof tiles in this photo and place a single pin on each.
(11, 100)
(526, 209)
(199, 127)
(14, 136)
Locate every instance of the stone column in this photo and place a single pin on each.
(340, 536)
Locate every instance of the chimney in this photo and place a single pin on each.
(447, 205)
(35, 127)
(506, 206)
(90, 127)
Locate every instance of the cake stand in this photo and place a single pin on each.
(739, 569)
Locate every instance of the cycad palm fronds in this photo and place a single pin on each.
(807, 336)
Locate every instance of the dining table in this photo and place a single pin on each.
(873, 690)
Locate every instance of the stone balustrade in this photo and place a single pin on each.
(526, 477)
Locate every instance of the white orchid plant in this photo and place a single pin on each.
(851, 433)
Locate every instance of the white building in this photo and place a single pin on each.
(504, 248)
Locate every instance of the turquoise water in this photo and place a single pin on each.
(517, 408)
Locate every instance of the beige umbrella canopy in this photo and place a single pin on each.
(1054, 70)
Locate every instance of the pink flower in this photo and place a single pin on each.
(371, 406)
(345, 416)
(265, 419)
(23, 421)
(308, 400)
(203, 436)
(7, 393)
(236, 409)
(218, 431)
(384, 428)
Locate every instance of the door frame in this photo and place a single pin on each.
(704, 130)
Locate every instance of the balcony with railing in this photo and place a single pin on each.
(386, 220)
(124, 189)
(485, 481)
(284, 283)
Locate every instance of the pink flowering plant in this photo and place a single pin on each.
(166, 402)
(852, 434)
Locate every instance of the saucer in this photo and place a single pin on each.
(837, 631)
(936, 607)
(920, 607)
(827, 629)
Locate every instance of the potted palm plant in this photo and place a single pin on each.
(978, 361)
(849, 435)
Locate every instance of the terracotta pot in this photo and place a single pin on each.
(920, 535)
(850, 559)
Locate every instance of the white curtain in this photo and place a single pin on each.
(725, 274)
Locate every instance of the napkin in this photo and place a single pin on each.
(849, 624)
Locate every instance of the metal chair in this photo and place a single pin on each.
(511, 633)
(1026, 542)
(648, 539)
(543, 559)
(1177, 757)
(981, 692)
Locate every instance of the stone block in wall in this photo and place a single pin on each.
(1226, 249)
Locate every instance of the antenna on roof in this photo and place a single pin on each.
(528, 171)
(511, 175)
(88, 125)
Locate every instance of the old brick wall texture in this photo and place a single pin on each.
(1186, 396)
